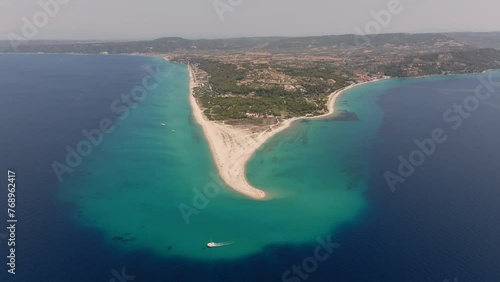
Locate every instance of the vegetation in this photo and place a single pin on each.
(478, 39)
(341, 76)
(226, 99)
(251, 79)
(170, 44)
(445, 63)
(224, 108)
(355, 40)
(223, 77)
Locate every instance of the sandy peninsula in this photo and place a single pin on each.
(232, 146)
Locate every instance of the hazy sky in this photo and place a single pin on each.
(143, 19)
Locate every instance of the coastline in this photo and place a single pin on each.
(232, 147)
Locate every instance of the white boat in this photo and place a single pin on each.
(162, 124)
(212, 244)
(217, 245)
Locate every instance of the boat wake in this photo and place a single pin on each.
(217, 245)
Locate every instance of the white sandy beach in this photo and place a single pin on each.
(232, 146)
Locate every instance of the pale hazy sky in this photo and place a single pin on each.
(147, 19)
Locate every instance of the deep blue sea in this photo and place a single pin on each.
(109, 216)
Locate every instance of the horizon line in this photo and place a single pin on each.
(248, 36)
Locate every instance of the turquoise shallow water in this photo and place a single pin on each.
(440, 224)
(131, 188)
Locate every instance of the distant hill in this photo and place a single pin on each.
(161, 45)
(170, 44)
(355, 40)
(256, 80)
(471, 61)
(478, 39)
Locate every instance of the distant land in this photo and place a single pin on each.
(258, 80)
(246, 90)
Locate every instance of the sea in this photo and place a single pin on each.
(115, 181)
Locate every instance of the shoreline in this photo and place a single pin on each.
(233, 147)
